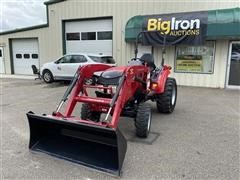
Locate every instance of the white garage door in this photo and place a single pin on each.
(90, 36)
(25, 54)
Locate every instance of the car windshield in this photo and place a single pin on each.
(103, 59)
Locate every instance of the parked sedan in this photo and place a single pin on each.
(65, 67)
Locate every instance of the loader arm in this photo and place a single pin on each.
(85, 72)
(125, 91)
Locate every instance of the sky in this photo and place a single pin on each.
(21, 13)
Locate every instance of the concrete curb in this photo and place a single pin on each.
(13, 76)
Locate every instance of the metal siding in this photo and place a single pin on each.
(50, 38)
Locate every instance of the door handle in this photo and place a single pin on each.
(59, 68)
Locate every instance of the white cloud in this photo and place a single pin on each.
(21, 13)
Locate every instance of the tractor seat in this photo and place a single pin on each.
(149, 60)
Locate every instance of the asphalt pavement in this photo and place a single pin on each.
(199, 140)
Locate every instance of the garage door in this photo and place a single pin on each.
(91, 36)
(25, 54)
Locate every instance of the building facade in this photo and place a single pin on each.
(105, 27)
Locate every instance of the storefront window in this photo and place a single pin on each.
(195, 59)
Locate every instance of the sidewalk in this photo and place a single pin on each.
(14, 76)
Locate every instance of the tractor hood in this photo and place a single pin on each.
(113, 72)
(118, 68)
(111, 76)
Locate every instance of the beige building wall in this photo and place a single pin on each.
(50, 38)
(216, 80)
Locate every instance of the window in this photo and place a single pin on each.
(78, 59)
(0, 53)
(103, 59)
(88, 35)
(104, 35)
(26, 56)
(65, 59)
(195, 59)
(34, 56)
(19, 56)
(73, 36)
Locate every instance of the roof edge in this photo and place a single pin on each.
(24, 29)
(53, 2)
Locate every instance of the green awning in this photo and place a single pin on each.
(222, 24)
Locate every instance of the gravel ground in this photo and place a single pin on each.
(200, 140)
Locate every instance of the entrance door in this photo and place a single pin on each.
(233, 79)
(2, 67)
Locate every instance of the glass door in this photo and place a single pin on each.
(233, 78)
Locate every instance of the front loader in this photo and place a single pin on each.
(106, 93)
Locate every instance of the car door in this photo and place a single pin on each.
(62, 66)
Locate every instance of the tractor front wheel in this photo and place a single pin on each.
(167, 100)
(87, 114)
(143, 120)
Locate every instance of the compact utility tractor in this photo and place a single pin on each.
(93, 138)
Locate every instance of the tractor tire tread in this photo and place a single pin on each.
(86, 113)
(164, 100)
(141, 121)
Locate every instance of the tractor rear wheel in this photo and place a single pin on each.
(167, 100)
(143, 120)
(86, 113)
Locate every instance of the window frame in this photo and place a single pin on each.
(89, 39)
(33, 57)
(73, 33)
(213, 62)
(18, 54)
(81, 56)
(101, 59)
(26, 57)
(64, 57)
(104, 32)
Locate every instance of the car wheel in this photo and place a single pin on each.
(47, 76)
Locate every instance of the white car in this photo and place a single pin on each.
(65, 67)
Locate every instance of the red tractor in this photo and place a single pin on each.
(93, 138)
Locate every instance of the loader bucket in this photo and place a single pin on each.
(96, 147)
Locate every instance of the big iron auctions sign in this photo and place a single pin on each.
(173, 29)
